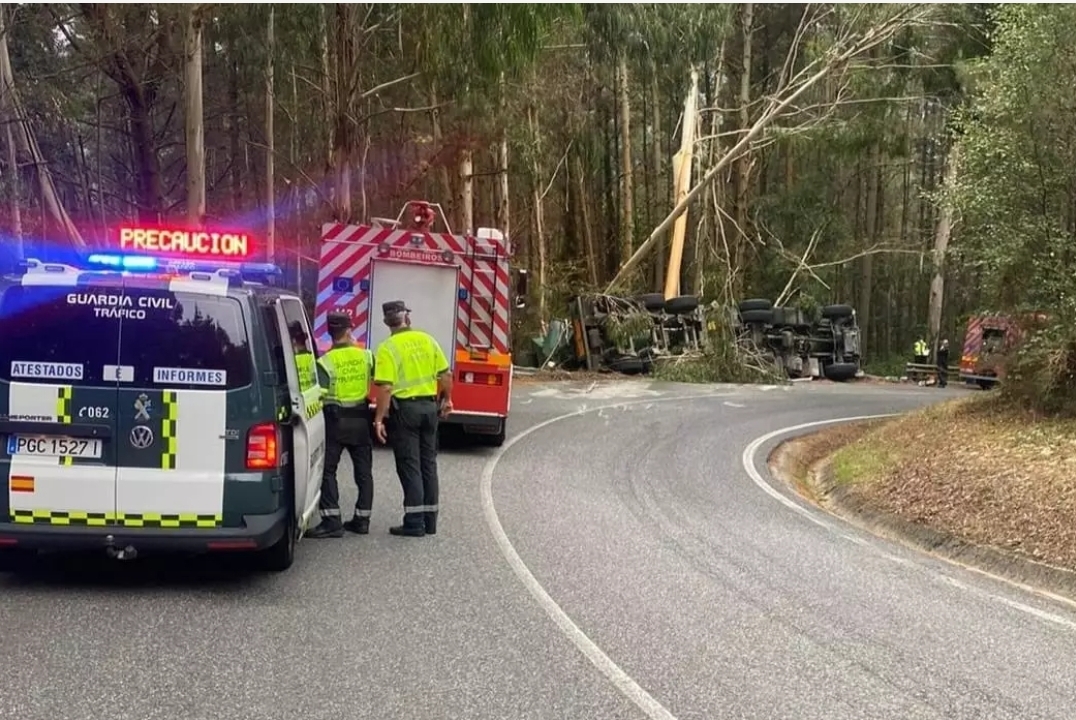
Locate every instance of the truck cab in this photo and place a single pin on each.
(151, 405)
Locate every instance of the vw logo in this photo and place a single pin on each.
(141, 437)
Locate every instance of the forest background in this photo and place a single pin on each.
(915, 161)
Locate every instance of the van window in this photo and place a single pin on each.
(301, 342)
(185, 340)
(45, 338)
(70, 335)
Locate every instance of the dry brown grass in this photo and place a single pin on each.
(975, 471)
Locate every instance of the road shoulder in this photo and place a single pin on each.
(988, 491)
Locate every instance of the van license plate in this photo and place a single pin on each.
(53, 446)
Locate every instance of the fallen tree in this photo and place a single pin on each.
(849, 45)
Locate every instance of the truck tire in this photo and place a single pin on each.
(626, 365)
(682, 305)
(756, 317)
(837, 312)
(841, 371)
(755, 304)
(280, 556)
(780, 316)
(651, 301)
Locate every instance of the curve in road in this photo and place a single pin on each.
(845, 630)
(636, 519)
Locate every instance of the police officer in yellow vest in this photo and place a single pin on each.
(412, 375)
(304, 358)
(346, 370)
(921, 351)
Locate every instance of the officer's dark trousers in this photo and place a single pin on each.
(414, 443)
(347, 429)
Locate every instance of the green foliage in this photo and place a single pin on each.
(1019, 159)
(724, 360)
(625, 327)
(1040, 374)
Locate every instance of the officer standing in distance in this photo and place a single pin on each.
(347, 371)
(413, 375)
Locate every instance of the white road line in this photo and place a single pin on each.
(748, 458)
(620, 679)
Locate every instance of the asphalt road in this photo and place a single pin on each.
(641, 573)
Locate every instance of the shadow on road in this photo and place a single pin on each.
(66, 571)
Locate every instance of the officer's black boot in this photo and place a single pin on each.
(431, 523)
(327, 528)
(413, 526)
(358, 525)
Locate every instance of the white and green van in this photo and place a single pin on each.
(153, 406)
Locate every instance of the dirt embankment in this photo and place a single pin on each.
(968, 480)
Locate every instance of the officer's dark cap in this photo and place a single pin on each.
(339, 321)
(395, 307)
(295, 329)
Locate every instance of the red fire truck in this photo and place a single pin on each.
(460, 289)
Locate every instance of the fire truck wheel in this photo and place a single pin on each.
(651, 301)
(841, 371)
(837, 312)
(683, 305)
(755, 304)
(756, 317)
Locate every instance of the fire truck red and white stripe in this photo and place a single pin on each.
(347, 251)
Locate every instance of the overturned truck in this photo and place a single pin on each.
(629, 334)
(821, 343)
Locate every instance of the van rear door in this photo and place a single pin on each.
(188, 408)
(59, 374)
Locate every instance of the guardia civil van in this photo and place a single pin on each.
(154, 405)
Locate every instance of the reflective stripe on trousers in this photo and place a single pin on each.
(420, 509)
(330, 512)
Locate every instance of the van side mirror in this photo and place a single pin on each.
(521, 288)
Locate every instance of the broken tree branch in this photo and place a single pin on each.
(835, 59)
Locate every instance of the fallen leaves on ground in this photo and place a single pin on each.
(976, 471)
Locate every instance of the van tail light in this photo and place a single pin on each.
(263, 447)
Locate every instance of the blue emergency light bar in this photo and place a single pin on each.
(255, 272)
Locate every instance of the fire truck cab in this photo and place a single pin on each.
(460, 289)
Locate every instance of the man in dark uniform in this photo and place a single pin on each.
(941, 359)
(345, 370)
(412, 375)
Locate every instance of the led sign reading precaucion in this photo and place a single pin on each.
(186, 243)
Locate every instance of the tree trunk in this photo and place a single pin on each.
(866, 267)
(503, 189)
(539, 215)
(743, 167)
(627, 187)
(270, 142)
(194, 126)
(584, 211)
(27, 143)
(344, 130)
(942, 232)
(466, 199)
(655, 159)
(10, 117)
